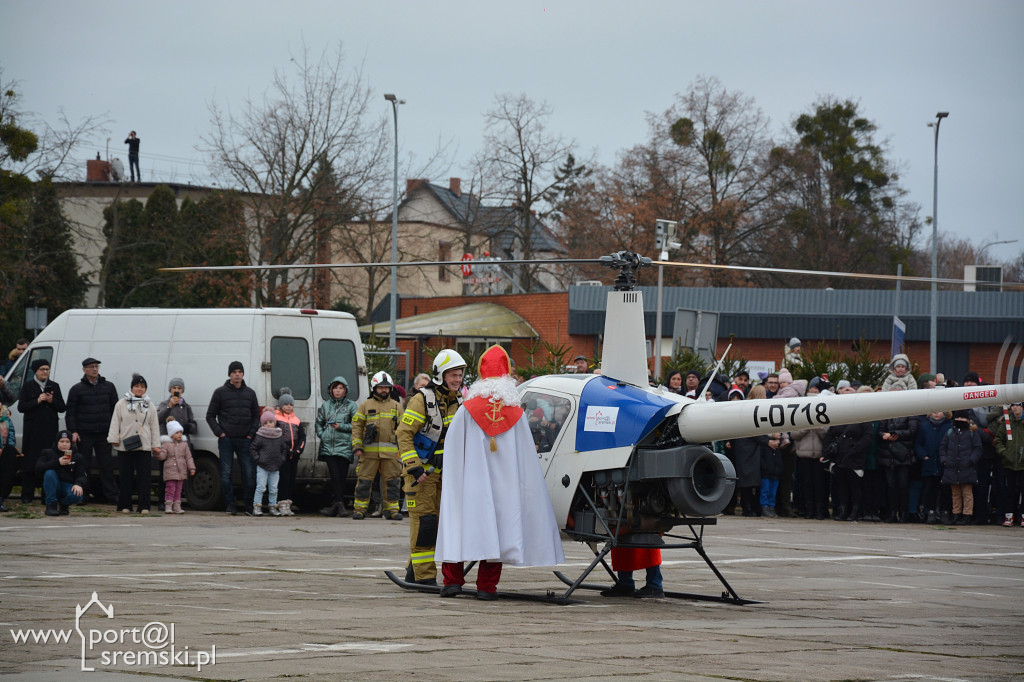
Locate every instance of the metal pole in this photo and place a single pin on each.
(934, 322)
(392, 343)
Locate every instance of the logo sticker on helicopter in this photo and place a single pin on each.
(601, 418)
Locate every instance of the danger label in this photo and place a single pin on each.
(987, 393)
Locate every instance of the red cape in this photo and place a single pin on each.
(492, 418)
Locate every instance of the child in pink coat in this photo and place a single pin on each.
(178, 466)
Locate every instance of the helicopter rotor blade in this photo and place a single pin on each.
(401, 264)
(827, 273)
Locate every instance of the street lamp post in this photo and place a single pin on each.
(392, 343)
(934, 326)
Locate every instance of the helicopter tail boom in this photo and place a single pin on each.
(704, 422)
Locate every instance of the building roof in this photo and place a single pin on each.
(967, 317)
(499, 222)
(476, 320)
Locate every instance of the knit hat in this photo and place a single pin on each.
(963, 414)
(235, 364)
(693, 372)
(268, 416)
(41, 362)
(794, 342)
(843, 383)
(176, 381)
(285, 399)
(174, 427)
(736, 390)
(137, 380)
(813, 382)
(785, 377)
(926, 377)
(62, 434)
(971, 376)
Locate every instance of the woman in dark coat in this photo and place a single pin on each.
(851, 457)
(930, 431)
(960, 452)
(41, 401)
(746, 455)
(895, 455)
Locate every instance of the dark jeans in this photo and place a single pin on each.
(133, 166)
(288, 472)
(135, 469)
(8, 466)
(897, 485)
(95, 448)
(338, 468)
(849, 490)
(873, 485)
(984, 500)
(228, 449)
(57, 491)
(1013, 489)
(813, 481)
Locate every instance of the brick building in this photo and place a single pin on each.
(972, 326)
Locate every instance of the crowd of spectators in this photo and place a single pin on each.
(964, 467)
(955, 468)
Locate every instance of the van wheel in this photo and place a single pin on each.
(203, 490)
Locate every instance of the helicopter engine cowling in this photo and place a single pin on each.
(657, 490)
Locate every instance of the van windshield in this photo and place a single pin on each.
(338, 357)
(16, 376)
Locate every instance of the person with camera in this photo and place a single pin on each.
(90, 408)
(174, 409)
(133, 156)
(135, 434)
(41, 401)
(64, 473)
(334, 429)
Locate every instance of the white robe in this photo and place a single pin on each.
(495, 505)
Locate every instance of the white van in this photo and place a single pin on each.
(300, 349)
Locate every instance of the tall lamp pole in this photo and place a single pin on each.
(392, 343)
(934, 327)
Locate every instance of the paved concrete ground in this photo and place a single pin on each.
(306, 597)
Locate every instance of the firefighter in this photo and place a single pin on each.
(421, 433)
(373, 441)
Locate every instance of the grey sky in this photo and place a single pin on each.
(601, 65)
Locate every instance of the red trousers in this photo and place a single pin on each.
(488, 573)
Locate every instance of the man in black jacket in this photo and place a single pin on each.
(41, 401)
(234, 416)
(64, 474)
(90, 408)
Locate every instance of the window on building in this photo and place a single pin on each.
(444, 252)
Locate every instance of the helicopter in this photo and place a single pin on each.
(629, 465)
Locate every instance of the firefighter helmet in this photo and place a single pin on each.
(445, 360)
(381, 379)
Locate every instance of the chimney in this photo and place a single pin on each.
(455, 185)
(97, 171)
(412, 185)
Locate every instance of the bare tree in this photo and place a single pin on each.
(278, 150)
(523, 157)
(713, 147)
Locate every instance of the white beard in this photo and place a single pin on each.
(499, 388)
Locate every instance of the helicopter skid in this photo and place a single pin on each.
(549, 598)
